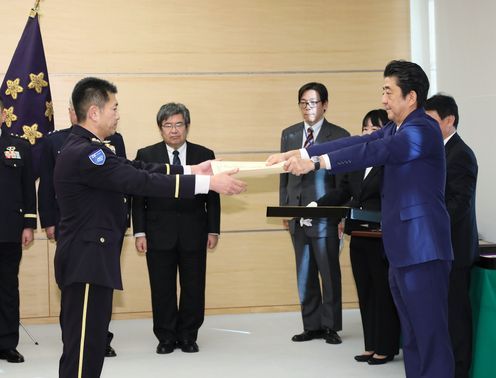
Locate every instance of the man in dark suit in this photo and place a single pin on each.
(415, 222)
(315, 242)
(91, 184)
(47, 202)
(17, 222)
(461, 181)
(175, 234)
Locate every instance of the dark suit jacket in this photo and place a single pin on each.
(415, 222)
(461, 180)
(301, 190)
(355, 191)
(18, 195)
(90, 184)
(165, 220)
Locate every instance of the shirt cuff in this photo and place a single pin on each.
(186, 169)
(202, 184)
(139, 234)
(304, 154)
(327, 161)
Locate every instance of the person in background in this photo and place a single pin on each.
(315, 242)
(17, 223)
(175, 235)
(461, 182)
(362, 189)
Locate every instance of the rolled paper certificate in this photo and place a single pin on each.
(247, 168)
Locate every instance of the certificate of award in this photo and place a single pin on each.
(247, 168)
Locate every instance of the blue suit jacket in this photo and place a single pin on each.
(415, 223)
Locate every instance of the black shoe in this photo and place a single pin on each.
(363, 357)
(11, 355)
(381, 361)
(166, 347)
(110, 352)
(308, 335)
(331, 337)
(189, 346)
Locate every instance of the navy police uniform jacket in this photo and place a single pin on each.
(18, 197)
(90, 182)
(52, 145)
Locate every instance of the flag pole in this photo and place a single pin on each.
(35, 9)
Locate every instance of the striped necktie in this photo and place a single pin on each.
(309, 140)
(175, 159)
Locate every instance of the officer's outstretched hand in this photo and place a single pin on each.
(224, 183)
(204, 168)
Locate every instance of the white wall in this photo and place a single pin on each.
(464, 62)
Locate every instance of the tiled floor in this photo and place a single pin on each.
(248, 345)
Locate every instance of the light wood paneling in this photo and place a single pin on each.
(229, 114)
(237, 65)
(33, 280)
(216, 35)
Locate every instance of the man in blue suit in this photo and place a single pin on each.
(415, 223)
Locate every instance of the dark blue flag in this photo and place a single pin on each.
(26, 90)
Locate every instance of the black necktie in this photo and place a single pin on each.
(309, 140)
(175, 159)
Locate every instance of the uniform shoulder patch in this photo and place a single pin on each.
(97, 157)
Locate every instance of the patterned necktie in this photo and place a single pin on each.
(175, 159)
(309, 140)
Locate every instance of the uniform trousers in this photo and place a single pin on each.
(460, 320)
(420, 292)
(10, 258)
(320, 308)
(85, 314)
(170, 321)
(381, 326)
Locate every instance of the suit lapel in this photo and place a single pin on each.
(161, 154)
(451, 144)
(324, 133)
(296, 142)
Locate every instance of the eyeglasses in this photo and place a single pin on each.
(311, 104)
(170, 126)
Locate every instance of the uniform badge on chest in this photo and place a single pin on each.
(11, 153)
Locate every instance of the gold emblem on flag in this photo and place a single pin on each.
(10, 116)
(31, 133)
(13, 88)
(37, 82)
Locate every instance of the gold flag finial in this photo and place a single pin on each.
(35, 9)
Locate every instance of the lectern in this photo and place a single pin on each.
(363, 223)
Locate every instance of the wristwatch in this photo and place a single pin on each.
(316, 163)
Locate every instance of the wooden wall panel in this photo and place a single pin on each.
(33, 280)
(237, 65)
(232, 114)
(150, 36)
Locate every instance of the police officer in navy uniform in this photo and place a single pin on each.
(17, 222)
(47, 203)
(90, 182)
